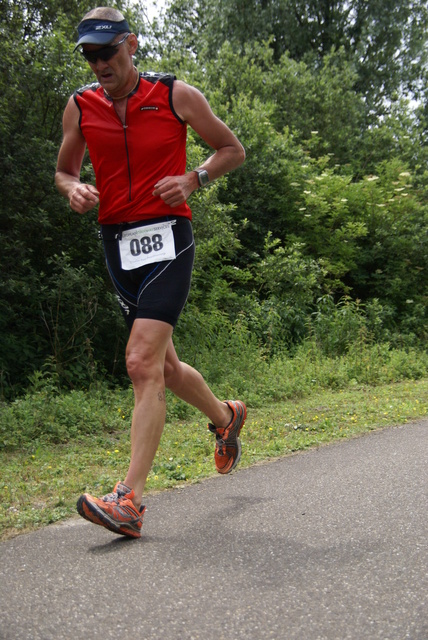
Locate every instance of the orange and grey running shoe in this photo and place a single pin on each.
(228, 446)
(115, 511)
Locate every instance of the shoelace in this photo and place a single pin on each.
(111, 497)
(220, 445)
(114, 496)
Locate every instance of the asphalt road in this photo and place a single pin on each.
(327, 544)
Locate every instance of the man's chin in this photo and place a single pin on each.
(106, 82)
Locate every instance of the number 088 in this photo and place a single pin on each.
(146, 244)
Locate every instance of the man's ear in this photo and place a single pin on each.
(132, 42)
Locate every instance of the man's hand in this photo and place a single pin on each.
(174, 190)
(83, 197)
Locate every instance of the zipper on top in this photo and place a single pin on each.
(125, 126)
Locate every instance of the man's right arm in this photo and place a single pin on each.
(82, 197)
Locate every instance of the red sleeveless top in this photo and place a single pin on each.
(129, 159)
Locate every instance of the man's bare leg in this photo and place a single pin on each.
(145, 358)
(189, 385)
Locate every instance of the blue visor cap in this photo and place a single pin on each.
(100, 32)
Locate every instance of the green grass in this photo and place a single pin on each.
(41, 480)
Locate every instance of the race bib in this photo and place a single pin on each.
(144, 245)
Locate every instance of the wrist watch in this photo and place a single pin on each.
(203, 177)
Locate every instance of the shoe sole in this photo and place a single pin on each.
(90, 512)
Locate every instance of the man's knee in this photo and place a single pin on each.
(143, 367)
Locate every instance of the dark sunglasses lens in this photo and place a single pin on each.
(102, 54)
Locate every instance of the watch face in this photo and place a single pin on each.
(203, 177)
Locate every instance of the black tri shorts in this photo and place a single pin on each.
(158, 290)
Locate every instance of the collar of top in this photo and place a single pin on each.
(102, 32)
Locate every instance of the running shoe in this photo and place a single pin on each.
(228, 446)
(115, 511)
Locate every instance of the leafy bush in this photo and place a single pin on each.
(236, 369)
(330, 205)
(45, 414)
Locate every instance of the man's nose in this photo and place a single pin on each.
(101, 65)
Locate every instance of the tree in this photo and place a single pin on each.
(385, 40)
(318, 210)
(38, 73)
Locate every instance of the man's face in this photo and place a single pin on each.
(113, 73)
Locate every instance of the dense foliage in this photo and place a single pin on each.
(321, 234)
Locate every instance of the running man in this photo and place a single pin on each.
(134, 125)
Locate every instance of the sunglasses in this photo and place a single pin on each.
(104, 54)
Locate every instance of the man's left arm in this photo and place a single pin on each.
(193, 108)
